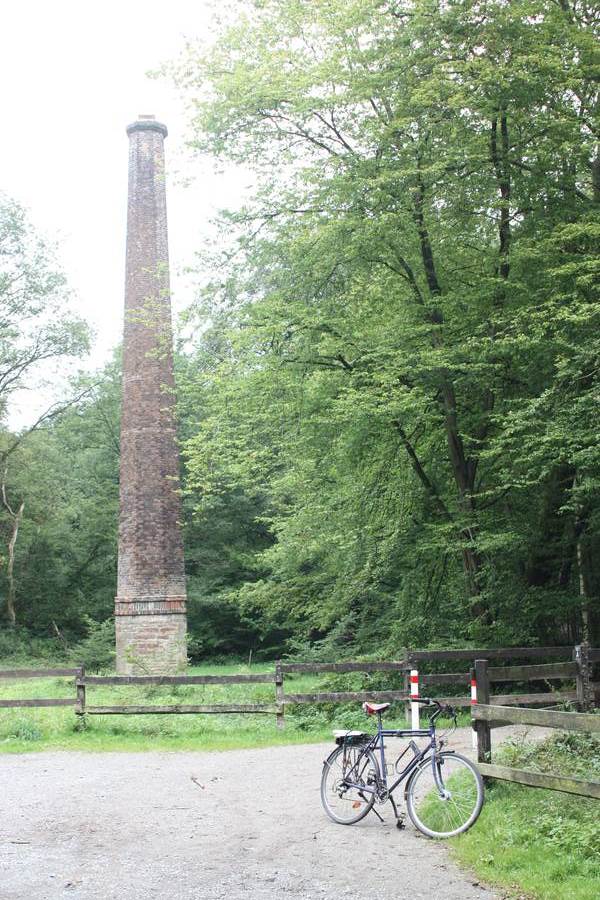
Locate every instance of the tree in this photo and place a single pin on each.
(409, 158)
(36, 328)
(67, 470)
(36, 325)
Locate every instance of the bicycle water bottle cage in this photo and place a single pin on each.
(350, 737)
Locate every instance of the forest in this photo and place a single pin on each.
(389, 383)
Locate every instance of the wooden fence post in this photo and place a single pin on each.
(80, 694)
(484, 735)
(585, 698)
(406, 684)
(279, 695)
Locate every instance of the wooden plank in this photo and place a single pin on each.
(62, 701)
(280, 721)
(36, 673)
(345, 696)
(80, 693)
(542, 780)
(346, 667)
(484, 733)
(263, 678)
(493, 653)
(454, 701)
(546, 718)
(545, 671)
(180, 708)
(545, 699)
(446, 678)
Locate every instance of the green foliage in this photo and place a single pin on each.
(67, 473)
(25, 729)
(394, 381)
(59, 728)
(20, 649)
(96, 651)
(37, 326)
(545, 841)
(388, 405)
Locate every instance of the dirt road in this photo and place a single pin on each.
(241, 825)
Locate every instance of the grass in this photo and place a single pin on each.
(34, 729)
(532, 843)
(538, 843)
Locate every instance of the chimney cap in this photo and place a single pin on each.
(147, 123)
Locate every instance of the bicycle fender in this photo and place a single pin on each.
(333, 752)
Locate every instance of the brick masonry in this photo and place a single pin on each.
(151, 595)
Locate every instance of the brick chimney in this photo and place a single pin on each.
(150, 612)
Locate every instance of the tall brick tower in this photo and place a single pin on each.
(150, 604)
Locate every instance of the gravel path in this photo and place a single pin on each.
(241, 825)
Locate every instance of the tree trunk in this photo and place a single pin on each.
(463, 467)
(10, 567)
(11, 594)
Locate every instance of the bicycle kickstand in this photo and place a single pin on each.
(376, 813)
(399, 817)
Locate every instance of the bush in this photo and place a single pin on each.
(19, 647)
(25, 730)
(97, 649)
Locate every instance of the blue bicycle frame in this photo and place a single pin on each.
(377, 743)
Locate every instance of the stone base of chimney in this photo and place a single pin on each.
(151, 644)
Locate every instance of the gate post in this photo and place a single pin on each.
(581, 655)
(80, 695)
(279, 694)
(484, 735)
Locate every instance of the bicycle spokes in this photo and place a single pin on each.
(444, 798)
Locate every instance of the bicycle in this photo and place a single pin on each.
(444, 790)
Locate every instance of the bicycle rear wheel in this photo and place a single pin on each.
(344, 804)
(447, 801)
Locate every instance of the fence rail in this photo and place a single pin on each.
(562, 783)
(51, 701)
(181, 708)
(18, 674)
(491, 653)
(489, 712)
(568, 664)
(157, 680)
(37, 673)
(346, 667)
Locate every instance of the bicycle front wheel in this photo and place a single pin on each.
(444, 795)
(345, 766)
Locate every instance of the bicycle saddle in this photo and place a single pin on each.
(372, 708)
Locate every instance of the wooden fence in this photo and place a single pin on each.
(18, 674)
(488, 715)
(575, 665)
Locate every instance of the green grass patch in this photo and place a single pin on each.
(34, 729)
(540, 843)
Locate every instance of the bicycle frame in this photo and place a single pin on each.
(377, 743)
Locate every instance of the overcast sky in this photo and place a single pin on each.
(74, 75)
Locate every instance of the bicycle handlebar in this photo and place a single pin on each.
(442, 709)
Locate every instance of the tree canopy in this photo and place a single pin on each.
(388, 411)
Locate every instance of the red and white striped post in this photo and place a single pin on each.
(473, 703)
(415, 722)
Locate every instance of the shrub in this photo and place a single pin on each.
(96, 651)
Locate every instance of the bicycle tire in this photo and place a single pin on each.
(439, 816)
(350, 806)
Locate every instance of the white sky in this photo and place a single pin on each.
(73, 76)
